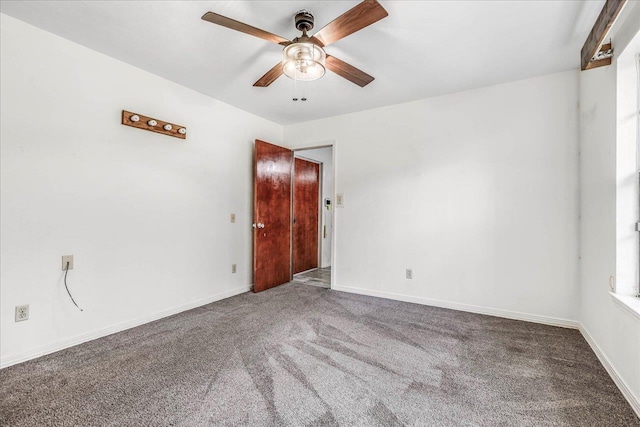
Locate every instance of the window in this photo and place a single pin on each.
(627, 281)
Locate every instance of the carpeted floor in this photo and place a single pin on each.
(302, 355)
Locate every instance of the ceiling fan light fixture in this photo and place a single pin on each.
(303, 61)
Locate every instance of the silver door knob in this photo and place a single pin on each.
(258, 225)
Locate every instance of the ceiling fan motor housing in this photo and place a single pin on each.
(304, 20)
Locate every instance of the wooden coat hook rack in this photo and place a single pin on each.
(154, 125)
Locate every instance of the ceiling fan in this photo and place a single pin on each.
(304, 57)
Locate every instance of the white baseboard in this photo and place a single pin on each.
(546, 320)
(51, 348)
(624, 389)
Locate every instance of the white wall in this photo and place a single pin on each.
(614, 331)
(325, 156)
(146, 215)
(477, 192)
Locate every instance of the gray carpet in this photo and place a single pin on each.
(302, 355)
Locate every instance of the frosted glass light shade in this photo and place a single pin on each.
(303, 61)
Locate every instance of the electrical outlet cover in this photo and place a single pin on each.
(66, 258)
(409, 273)
(22, 312)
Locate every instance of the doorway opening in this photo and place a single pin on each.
(313, 216)
(274, 228)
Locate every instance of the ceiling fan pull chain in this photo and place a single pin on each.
(295, 90)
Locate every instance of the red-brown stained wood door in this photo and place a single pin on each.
(271, 216)
(306, 188)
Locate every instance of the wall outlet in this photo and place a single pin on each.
(65, 259)
(233, 218)
(409, 273)
(233, 268)
(22, 312)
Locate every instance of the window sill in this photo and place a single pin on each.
(629, 303)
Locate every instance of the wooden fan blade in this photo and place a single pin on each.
(355, 19)
(214, 18)
(270, 76)
(347, 71)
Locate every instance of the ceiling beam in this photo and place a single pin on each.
(598, 33)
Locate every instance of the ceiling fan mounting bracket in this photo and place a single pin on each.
(304, 20)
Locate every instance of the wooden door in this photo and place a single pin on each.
(306, 192)
(272, 216)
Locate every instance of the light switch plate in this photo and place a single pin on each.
(233, 268)
(66, 258)
(233, 218)
(340, 200)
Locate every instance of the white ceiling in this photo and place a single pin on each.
(422, 49)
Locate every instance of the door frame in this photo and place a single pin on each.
(334, 145)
